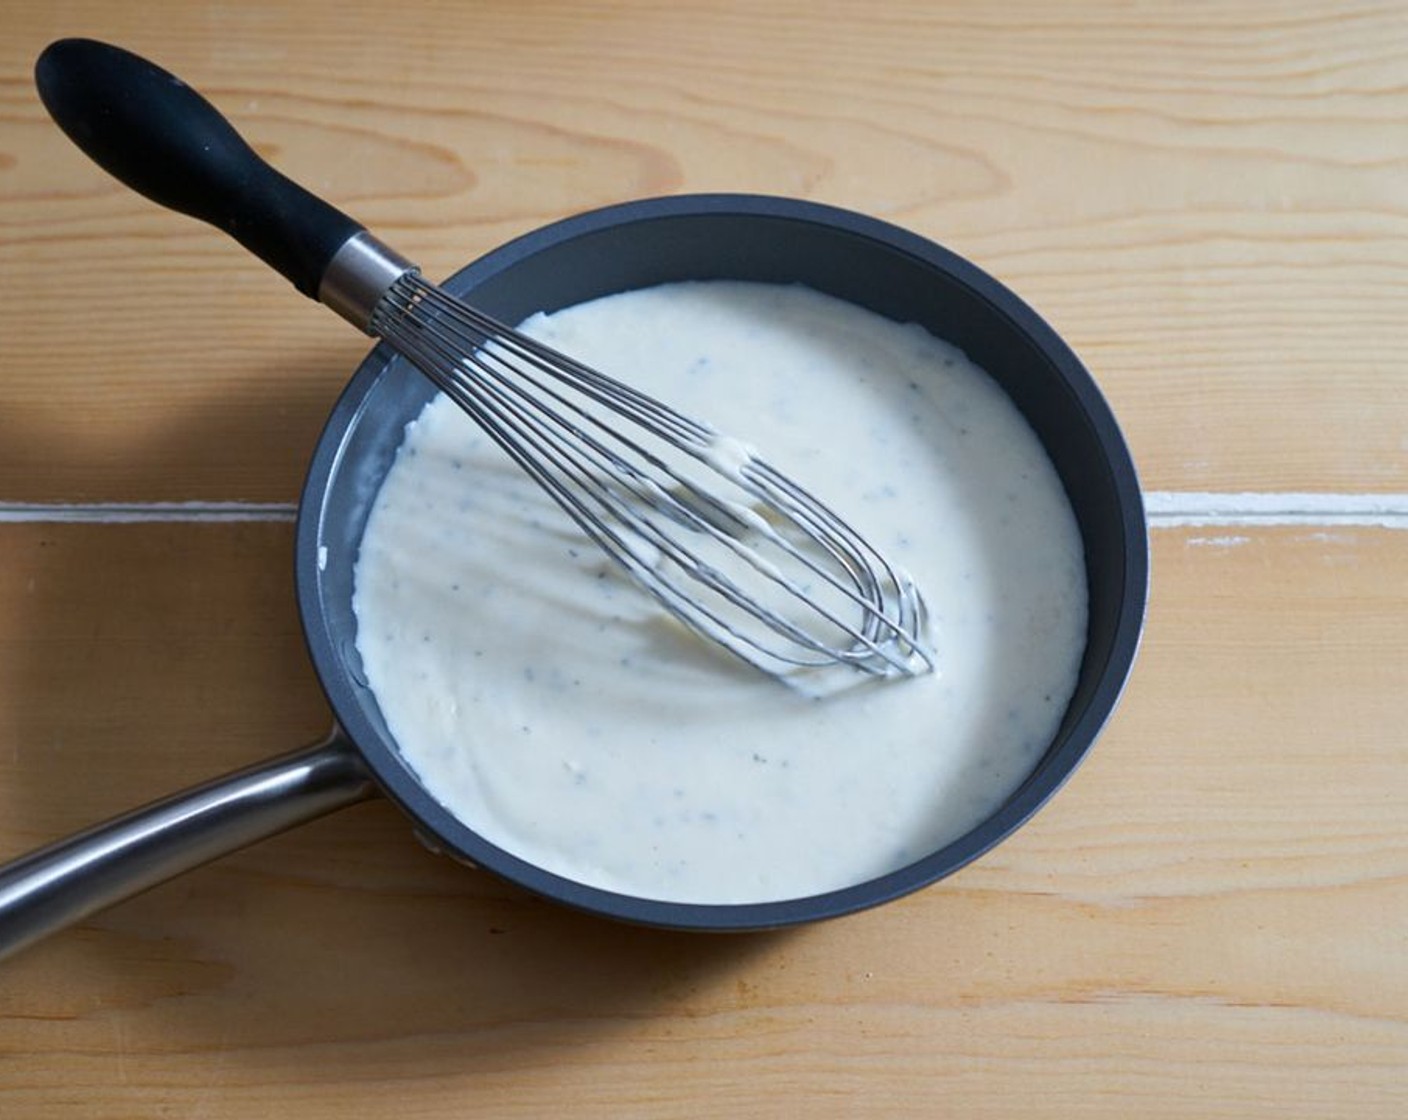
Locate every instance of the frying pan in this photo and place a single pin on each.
(637, 244)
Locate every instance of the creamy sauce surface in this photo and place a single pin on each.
(555, 709)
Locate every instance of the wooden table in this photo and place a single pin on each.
(1210, 201)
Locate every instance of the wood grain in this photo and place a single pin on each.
(1209, 921)
(1206, 199)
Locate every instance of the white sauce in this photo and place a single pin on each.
(552, 707)
(729, 455)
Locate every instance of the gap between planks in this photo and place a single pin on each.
(1167, 509)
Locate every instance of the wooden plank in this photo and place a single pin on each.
(1205, 199)
(1207, 922)
(139, 658)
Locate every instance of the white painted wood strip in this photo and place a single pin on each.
(1167, 509)
(119, 513)
(1170, 509)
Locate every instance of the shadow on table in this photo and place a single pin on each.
(154, 656)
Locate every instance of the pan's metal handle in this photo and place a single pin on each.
(69, 880)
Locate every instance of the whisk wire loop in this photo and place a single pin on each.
(554, 416)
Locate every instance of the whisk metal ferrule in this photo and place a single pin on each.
(359, 275)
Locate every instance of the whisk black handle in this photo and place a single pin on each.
(164, 140)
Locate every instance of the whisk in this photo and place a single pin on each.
(735, 550)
